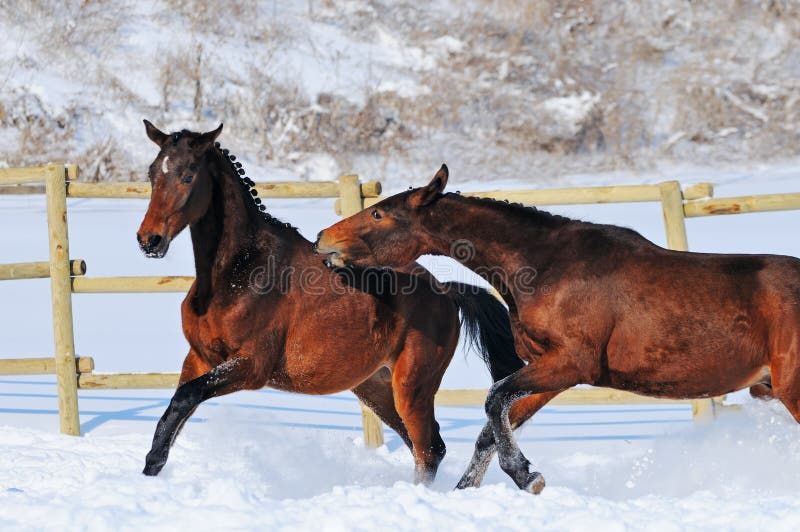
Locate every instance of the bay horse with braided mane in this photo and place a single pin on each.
(265, 311)
(605, 307)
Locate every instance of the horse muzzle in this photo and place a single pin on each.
(153, 246)
(335, 257)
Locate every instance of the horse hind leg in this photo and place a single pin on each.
(555, 371)
(415, 378)
(376, 392)
(485, 447)
(785, 371)
(791, 399)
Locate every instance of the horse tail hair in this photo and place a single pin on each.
(487, 327)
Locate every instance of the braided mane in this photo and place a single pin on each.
(249, 187)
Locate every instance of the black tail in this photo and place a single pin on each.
(488, 328)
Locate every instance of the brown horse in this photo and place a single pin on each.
(593, 304)
(265, 311)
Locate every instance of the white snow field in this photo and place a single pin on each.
(269, 460)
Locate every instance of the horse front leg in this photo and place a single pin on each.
(552, 373)
(193, 366)
(230, 376)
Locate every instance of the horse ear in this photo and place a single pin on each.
(207, 139)
(427, 194)
(212, 135)
(155, 134)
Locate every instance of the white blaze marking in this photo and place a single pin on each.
(164, 167)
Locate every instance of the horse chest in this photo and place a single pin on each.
(218, 333)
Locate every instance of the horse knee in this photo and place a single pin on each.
(185, 398)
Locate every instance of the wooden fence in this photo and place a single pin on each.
(68, 277)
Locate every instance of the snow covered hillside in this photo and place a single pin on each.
(313, 88)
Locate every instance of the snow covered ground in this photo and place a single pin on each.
(237, 472)
(271, 460)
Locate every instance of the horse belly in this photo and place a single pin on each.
(326, 365)
(702, 369)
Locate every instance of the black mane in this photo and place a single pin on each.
(247, 184)
(517, 209)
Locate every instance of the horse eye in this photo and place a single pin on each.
(376, 214)
(187, 179)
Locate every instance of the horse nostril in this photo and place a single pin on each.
(153, 241)
(139, 238)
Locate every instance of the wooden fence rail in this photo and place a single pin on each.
(578, 196)
(67, 277)
(288, 189)
(743, 204)
(40, 366)
(128, 381)
(36, 270)
(22, 176)
(131, 285)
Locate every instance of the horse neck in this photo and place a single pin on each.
(231, 227)
(491, 239)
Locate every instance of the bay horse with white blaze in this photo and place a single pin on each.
(605, 307)
(265, 311)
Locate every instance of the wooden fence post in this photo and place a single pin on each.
(672, 204)
(61, 295)
(703, 410)
(351, 202)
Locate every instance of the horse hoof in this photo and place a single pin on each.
(535, 483)
(465, 483)
(152, 470)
